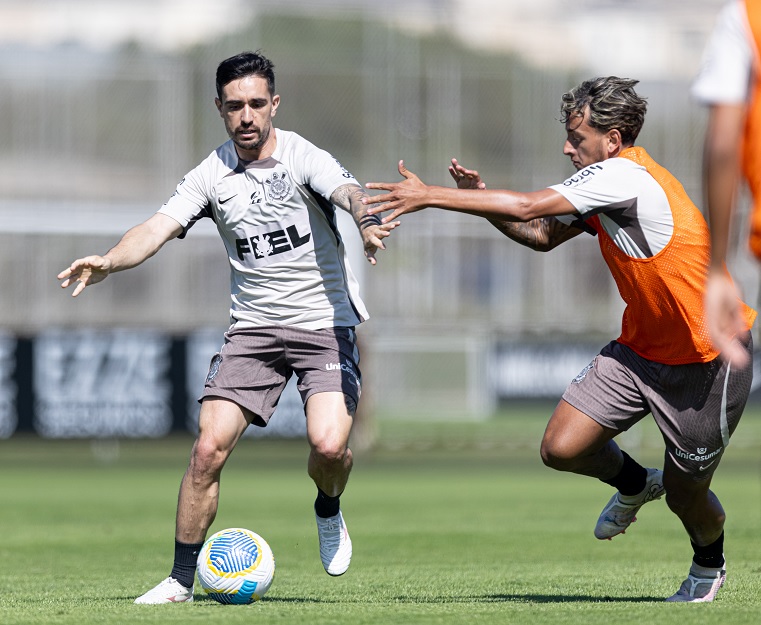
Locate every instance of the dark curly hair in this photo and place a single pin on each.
(612, 103)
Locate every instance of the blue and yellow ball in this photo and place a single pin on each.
(236, 566)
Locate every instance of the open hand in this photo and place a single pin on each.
(84, 272)
(403, 197)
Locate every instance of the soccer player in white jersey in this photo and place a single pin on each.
(656, 245)
(295, 303)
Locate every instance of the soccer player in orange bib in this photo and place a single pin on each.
(656, 244)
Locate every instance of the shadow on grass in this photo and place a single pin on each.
(497, 598)
(531, 598)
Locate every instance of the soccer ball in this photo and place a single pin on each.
(235, 566)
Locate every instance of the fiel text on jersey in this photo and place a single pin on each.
(271, 243)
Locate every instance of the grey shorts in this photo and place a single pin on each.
(696, 406)
(254, 365)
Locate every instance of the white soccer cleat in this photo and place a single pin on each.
(621, 510)
(335, 544)
(701, 585)
(168, 591)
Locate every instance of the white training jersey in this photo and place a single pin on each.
(633, 208)
(288, 265)
(726, 70)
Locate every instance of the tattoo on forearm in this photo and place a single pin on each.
(349, 197)
(541, 234)
(342, 195)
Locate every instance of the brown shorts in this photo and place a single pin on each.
(696, 406)
(255, 364)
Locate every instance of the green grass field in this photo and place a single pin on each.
(451, 523)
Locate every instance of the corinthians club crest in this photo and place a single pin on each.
(279, 186)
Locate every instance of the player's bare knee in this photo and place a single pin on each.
(330, 451)
(689, 502)
(207, 458)
(555, 457)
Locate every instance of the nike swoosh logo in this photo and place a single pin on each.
(227, 199)
(703, 468)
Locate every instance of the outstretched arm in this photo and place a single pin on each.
(411, 195)
(137, 245)
(541, 234)
(527, 218)
(721, 176)
(349, 197)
